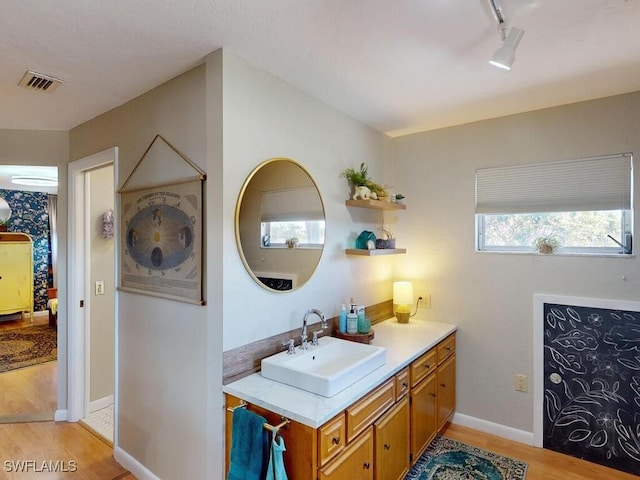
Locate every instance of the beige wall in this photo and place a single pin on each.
(490, 296)
(102, 307)
(265, 117)
(34, 147)
(162, 344)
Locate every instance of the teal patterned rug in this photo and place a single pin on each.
(446, 459)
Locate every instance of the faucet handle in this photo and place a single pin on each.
(316, 334)
(291, 349)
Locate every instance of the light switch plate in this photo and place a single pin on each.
(99, 287)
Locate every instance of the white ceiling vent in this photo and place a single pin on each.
(39, 81)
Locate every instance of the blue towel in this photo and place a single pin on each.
(249, 446)
(276, 469)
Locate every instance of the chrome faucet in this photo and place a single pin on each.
(303, 337)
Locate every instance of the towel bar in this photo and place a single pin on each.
(273, 428)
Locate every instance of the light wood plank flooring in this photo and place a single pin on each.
(53, 442)
(543, 464)
(28, 393)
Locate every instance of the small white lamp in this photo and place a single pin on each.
(403, 299)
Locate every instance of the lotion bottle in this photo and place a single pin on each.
(352, 321)
(342, 327)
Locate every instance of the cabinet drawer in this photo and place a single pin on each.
(446, 347)
(364, 412)
(423, 366)
(331, 438)
(402, 383)
(355, 463)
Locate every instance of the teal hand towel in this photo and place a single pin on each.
(276, 469)
(249, 446)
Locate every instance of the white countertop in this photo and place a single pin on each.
(404, 343)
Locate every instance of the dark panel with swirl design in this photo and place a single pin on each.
(281, 284)
(592, 384)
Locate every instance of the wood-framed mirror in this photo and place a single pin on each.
(280, 225)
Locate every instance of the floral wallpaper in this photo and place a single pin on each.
(29, 214)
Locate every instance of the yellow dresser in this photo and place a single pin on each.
(16, 274)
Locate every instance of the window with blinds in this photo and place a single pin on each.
(580, 206)
(292, 218)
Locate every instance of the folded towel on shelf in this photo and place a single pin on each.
(249, 446)
(276, 469)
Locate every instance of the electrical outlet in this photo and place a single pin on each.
(99, 287)
(521, 383)
(424, 301)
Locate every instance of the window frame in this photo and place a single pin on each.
(518, 189)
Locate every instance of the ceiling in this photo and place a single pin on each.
(400, 66)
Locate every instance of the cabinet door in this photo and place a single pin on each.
(354, 463)
(391, 438)
(423, 415)
(16, 277)
(446, 390)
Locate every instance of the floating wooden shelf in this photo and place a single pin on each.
(376, 252)
(375, 204)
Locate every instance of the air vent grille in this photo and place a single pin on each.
(39, 81)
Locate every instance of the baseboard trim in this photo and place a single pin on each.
(134, 466)
(61, 415)
(100, 403)
(497, 429)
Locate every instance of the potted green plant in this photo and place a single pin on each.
(360, 178)
(399, 198)
(547, 244)
(356, 178)
(4, 225)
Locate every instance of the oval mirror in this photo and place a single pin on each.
(280, 225)
(5, 211)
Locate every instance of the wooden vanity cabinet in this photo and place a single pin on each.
(423, 415)
(354, 463)
(391, 439)
(332, 438)
(379, 436)
(446, 390)
(433, 393)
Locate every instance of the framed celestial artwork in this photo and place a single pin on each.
(161, 237)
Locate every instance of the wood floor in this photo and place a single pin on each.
(543, 464)
(60, 445)
(29, 449)
(30, 392)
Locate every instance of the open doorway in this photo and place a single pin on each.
(28, 292)
(92, 299)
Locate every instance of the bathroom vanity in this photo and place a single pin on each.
(375, 428)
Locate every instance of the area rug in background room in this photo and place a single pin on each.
(27, 346)
(446, 459)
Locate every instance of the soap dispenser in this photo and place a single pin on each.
(352, 320)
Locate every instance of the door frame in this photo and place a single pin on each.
(79, 288)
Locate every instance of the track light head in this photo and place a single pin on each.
(506, 54)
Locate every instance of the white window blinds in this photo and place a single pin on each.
(598, 183)
(290, 205)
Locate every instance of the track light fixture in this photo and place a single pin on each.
(506, 54)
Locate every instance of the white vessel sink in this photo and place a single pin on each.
(326, 369)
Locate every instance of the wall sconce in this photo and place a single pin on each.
(402, 299)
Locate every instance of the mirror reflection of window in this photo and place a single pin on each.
(288, 214)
